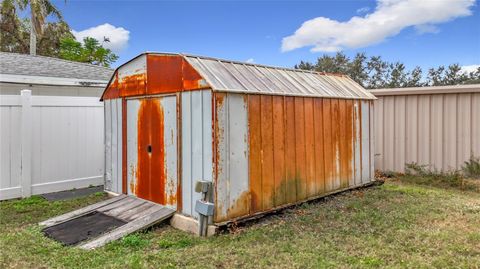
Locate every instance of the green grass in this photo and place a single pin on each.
(401, 224)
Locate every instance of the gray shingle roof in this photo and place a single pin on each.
(28, 65)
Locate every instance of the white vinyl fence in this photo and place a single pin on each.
(49, 144)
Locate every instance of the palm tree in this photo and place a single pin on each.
(39, 11)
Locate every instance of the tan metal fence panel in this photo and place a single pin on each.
(435, 126)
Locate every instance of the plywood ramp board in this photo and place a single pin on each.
(135, 212)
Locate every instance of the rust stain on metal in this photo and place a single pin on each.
(124, 146)
(151, 174)
(164, 74)
(255, 159)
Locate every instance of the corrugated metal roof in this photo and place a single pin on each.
(232, 76)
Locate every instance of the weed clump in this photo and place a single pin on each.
(471, 168)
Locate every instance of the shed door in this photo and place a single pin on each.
(152, 149)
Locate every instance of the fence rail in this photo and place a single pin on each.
(435, 126)
(49, 143)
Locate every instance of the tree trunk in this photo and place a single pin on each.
(33, 37)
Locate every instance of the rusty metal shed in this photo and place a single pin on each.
(267, 137)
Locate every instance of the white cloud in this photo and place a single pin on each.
(118, 36)
(251, 60)
(389, 18)
(470, 68)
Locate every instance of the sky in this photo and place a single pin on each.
(426, 33)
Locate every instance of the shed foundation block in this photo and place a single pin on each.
(189, 224)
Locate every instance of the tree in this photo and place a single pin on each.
(375, 73)
(89, 52)
(16, 34)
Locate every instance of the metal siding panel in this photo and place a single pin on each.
(450, 132)
(343, 143)
(388, 133)
(372, 140)
(207, 135)
(268, 184)
(350, 137)
(437, 114)
(475, 124)
(464, 128)
(329, 156)
(279, 150)
(255, 149)
(187, 186)
(290, 154)
(113, 157)
(197, 145)
(238, 187)
(357, 143)
(132, 144)
(399, 133)
(119, 146)
(221, 182)
(300, 152)
(169, 104)
(365, 141)
(319, 145)
(108, 145)
(424, 118)
(310, 148)
(411, 125)
(379, 132)
(336, 142)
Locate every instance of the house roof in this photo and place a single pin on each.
(29, 67)
(156, 73)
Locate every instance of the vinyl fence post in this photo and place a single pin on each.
(26, 131)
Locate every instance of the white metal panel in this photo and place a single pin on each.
(119, 157)
(108, 145)
(134, 67)
(411, 129)
(365, 141)
(436, 128)
(475, 133)
(399, 133)
(357, 143)
(388, 132)
(133, 106)
(232, 182)
(169, 106)
(196, 136)
(371, 111)
(115, 143)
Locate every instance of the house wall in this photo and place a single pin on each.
(272, 151)
(15, 88)
(434, 126)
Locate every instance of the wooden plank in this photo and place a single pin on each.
(140, 214)
(267, 152)
(125, 201)
(138, 224)
(80, 212)
(127, 214)
(279, 150)
(118, 210)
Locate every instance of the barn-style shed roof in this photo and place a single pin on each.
(154, 73)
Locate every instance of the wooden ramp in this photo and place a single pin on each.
(137, 213)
